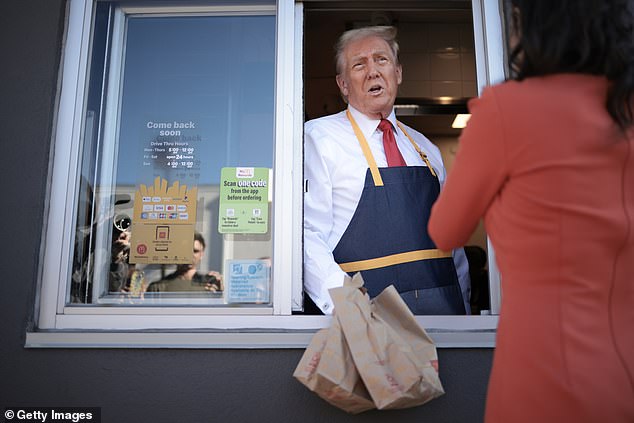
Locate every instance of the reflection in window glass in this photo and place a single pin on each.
(176, 188)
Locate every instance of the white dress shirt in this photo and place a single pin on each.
(335, 169)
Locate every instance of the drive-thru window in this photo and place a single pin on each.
(178, 151)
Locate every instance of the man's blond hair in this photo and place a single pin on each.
(387, 33)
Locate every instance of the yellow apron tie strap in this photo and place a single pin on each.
(410, 256)
(420, 153)
(374, 169)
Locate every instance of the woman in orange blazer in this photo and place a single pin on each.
(548, 160)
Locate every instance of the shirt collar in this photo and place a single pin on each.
(368, 125)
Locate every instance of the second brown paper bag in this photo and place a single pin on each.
(327, 369)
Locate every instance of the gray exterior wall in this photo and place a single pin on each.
(140, 385)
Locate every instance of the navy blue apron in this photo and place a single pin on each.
(387, 239)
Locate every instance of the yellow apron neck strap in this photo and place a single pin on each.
(420, 152)
(374, 169)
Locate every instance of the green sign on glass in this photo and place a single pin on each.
(244, 200)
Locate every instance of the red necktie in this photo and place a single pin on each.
(392, 154)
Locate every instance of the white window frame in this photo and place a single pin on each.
(59, 325)
(490, 69)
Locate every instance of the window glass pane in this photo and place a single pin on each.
(174, 205)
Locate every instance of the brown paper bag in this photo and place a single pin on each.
(327, 369)
(394, 356)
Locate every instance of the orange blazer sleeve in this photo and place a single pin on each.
(476, 178)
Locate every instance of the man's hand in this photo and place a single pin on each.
(216, 285)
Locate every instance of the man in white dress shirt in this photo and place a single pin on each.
(366, 210)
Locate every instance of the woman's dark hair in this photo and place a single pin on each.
(578, 36)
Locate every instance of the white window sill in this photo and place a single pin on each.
(289, 332)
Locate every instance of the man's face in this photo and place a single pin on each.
(198, 253)
(370, 76)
